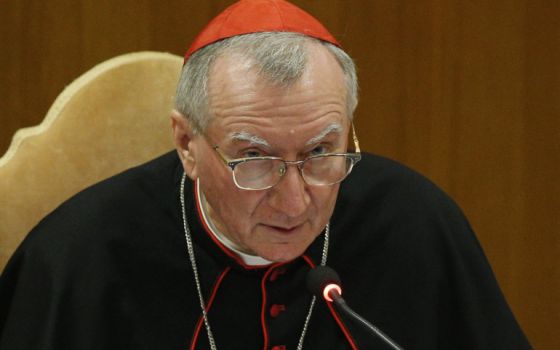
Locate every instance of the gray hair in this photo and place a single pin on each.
(280, 57)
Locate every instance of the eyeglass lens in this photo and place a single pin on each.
(261, 174)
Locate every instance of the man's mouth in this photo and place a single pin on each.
(283, 229)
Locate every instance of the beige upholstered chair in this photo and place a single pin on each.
(113, 117)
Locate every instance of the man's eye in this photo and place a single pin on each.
(321, 149)
(251, 153)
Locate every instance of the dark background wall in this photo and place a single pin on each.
(466, 92)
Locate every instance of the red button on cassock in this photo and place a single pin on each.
(276, 273)
(276, 309)
(279, 347)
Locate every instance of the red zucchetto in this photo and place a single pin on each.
(253, 16)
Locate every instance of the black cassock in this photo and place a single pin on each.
(109, 269)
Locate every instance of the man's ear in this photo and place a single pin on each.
(184, 139)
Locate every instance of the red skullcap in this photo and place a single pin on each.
(253, 16)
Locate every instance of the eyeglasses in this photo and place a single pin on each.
(261, 173)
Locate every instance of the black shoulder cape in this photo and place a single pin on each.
(109, 269)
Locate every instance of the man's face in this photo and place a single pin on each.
(252, 118)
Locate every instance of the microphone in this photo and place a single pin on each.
(324, 282)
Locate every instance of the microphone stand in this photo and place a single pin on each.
(341, 304)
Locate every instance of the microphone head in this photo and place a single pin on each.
(320, 277)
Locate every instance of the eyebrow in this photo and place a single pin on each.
(256, 140)
(252, 139)
(331, 128)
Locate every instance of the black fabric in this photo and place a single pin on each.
(109, 269)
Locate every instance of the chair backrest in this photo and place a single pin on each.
(113, 117)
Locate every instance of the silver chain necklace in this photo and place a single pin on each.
(201, 301)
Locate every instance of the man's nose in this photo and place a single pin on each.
(290, 195)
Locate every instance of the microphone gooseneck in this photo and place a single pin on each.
(324, 282)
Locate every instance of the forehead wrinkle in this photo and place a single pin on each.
(251, 138)
(331, 128)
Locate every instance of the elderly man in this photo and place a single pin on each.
(209, 246)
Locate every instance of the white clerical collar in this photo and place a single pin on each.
(251, 260)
